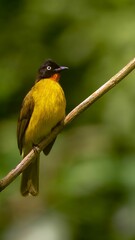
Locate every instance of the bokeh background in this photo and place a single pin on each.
(87, 183)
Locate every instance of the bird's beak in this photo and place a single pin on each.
(61, 68)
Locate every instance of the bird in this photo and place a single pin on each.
(42, 109)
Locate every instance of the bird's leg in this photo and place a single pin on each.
(35, 148)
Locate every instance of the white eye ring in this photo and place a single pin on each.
(49, 68)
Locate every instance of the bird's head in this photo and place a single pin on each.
(50, 69)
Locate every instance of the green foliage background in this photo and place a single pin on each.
(87, 183)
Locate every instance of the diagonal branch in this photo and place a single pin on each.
(71, 116)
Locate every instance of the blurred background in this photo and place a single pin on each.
(87, 183)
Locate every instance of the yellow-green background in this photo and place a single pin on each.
(87, 183)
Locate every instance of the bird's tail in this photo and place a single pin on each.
(30, 179)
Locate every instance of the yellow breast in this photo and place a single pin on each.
(49, 109)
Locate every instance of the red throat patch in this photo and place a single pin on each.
(56, 77)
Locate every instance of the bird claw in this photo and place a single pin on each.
(35, 149)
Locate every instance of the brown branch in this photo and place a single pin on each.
(72, 115)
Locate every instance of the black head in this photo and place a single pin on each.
(48, 69)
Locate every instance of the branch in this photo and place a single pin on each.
(72, 115)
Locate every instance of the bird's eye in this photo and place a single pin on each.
(49, 68)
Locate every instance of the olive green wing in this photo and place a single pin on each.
(24, 118)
